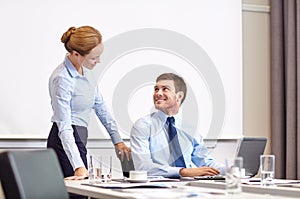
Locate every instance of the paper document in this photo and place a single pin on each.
(129, 185)
(161, 179)
(256, 181)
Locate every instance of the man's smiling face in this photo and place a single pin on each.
(165, 97)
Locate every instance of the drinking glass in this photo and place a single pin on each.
(233, 175)
(267, 169)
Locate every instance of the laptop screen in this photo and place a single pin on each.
(250, 149)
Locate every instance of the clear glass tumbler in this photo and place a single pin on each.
(233, 175)
(267, 169)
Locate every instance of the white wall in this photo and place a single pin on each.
(256, 84)
(256, 69)
(142, 39)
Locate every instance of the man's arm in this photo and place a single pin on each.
(201, 157)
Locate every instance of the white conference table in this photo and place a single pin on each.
(179, 190)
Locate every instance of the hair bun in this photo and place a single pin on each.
(66, 36)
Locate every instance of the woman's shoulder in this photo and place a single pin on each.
(61, 74)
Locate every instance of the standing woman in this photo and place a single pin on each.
(74, 93)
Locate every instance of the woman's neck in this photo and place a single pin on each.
(75, 64)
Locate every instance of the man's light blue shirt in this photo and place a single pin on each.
(149, 142)
(73, 96)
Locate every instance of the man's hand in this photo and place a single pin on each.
(201, 171)
(122, 149)
(79, 174)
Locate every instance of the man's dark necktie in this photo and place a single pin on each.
(174, 144)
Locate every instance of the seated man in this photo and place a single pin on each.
(160, 146)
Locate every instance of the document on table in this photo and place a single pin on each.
(175, 192)
(161, 179)
(149, 179)
(129, 185)
(256, 181)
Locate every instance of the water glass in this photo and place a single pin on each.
(233, 175)
(100, 169)
(91, 171)
(267, 169)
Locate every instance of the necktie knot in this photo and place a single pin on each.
(171, 120)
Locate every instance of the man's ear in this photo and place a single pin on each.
(180, 95)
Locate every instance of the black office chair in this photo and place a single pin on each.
(33, 174)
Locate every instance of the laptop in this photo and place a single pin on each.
(249, 148)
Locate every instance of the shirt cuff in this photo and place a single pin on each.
(173, 172)
(116, 138)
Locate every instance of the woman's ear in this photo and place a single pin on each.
(75, 53)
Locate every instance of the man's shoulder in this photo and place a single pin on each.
(144, 120)
(148, 120)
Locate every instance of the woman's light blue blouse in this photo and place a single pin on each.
(73, 96)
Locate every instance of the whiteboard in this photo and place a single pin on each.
(198, 39)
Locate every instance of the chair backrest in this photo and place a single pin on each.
(32, 174)
(127, 165)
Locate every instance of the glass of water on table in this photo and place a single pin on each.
(233, 175)
(267, 169)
